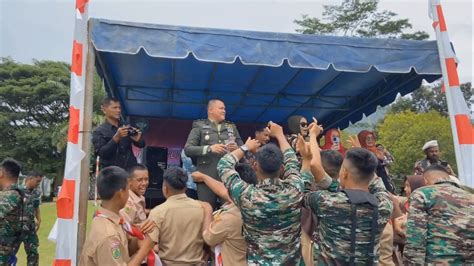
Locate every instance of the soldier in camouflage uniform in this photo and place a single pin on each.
(431, 149)
(207, 142)
(271, 209)
(31, 217)
(11, 207)
(440, 225)
(348, 232)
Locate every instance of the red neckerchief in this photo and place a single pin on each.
(133, 231)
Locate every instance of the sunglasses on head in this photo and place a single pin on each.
(303, 124)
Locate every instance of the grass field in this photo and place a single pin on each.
(47, 249)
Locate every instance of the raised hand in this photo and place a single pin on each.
(275, 130)
(354, 142)
(314, 128)
(303, 148)
(252, 144)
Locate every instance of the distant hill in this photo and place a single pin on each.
(368, 122)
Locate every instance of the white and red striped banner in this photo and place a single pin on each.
(461, 126)
(65, 230)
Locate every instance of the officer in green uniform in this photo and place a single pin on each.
(11, 207)
(31, 217)
(208, 141)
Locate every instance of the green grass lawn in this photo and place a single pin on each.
(47, 249)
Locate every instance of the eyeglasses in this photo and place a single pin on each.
(303, 124)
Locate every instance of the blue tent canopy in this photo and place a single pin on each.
(171, 71)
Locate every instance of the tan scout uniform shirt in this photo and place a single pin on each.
(226, 229)
(179, 230)
(107, 243)
(134, 210)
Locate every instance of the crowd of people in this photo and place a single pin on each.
(275, 199)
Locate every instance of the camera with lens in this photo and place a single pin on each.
(132, 132)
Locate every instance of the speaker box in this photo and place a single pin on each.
(156, 160)
(154, 197)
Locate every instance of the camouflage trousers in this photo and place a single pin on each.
(31, 244)
(8, 249)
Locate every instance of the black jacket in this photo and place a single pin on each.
(112, 153)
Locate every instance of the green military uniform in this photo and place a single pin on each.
(11, 207)
(421, 165)
(29, 235)
(333, 210)
(204, 134)
(440, 226)
(271, 211)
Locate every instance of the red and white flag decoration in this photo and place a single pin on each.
(64, 232)
(461, 126)
(152, 259)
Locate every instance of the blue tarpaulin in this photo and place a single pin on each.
(171, 71)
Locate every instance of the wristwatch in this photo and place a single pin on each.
(244, 148)
(209, 150)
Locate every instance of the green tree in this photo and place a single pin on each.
(360, 19)
(428, 98)
(34, 109)
(34, 101)
(404, 134)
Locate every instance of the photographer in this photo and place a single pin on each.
(113, 140)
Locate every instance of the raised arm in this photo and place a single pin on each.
(321, 178)
(305, 151)
(316, 164)
(217, 187)
(290, 159)
(228, 174)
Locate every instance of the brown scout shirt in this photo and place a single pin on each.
(134, 210)
(226, 229)
(179, 230)
(107, 242)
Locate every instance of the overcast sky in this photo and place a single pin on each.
(42, 29)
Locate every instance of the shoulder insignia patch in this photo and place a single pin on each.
(115, 248)
(116, 253)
